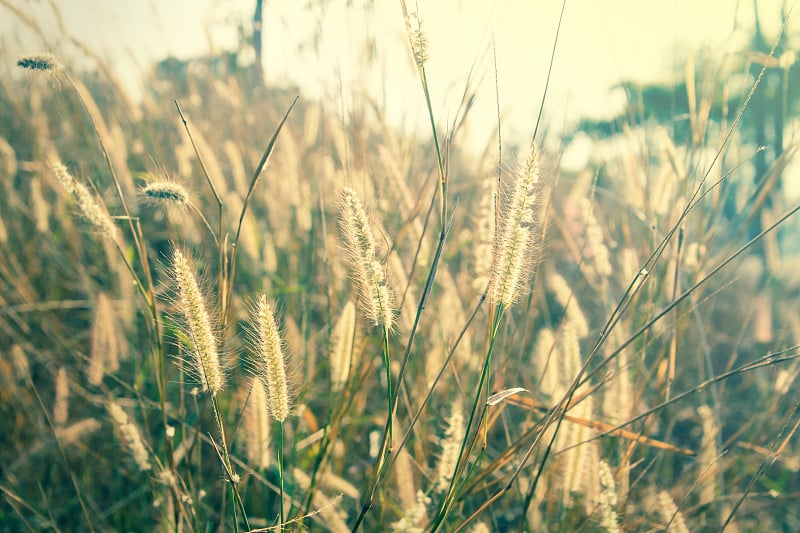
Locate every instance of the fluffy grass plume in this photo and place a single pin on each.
(374, 296)
(268, 360)
(515, 244)
(44, 63)
(484, 236)
(450, 445)
(205, 354)
(105, 347)
(165, 193)
(130, 436)
(87, 202)
(257, 426)
(342, 340)
(670, 514)
(61, 401)
(608, 499)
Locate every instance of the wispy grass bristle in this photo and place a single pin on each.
(130, 436)
(205, 353)
(268, 360)
(374, 295)
(670, 514)
(450, 446)
(88, 203)
(257, 426)
(342, 340)
(40, 63)
(61, 401)
(166, 194)
(608, 500)
(515, 244)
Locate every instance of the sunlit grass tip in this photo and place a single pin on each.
(268, 360)
(608, 499)
(130, 436)
(374, 295)
(205, 353)
(417, 38)
(451, 446)
(257, 426)
(40, 63)
(165, 193)
(516, 242)
(91, 208)
(342, 347)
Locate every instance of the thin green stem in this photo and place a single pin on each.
(387, 365)
(482, 390)
(281, 475)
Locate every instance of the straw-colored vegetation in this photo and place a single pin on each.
(247, 311)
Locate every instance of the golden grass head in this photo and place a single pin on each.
(374, 295)
(516, 237)
(205, 355)
(670, 514)
(61, 403)
(130, 435)
(256, 426)
(417, 38)
(92, 208)
(342, 340)
(165, 194)
(41, 63)
(451, 446)
(608, 499)
(268, 362)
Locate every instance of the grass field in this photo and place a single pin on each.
(248, 311)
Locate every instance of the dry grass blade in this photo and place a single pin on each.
(253, 183)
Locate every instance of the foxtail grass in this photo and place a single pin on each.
(269, 366)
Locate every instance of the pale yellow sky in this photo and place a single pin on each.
(601, 43)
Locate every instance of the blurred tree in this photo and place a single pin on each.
(762, 125)
(258, 22)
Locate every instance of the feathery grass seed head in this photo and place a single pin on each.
(205, 356)
(105, 351)
(417, 38)
(61, 402)
(91, 208)
(594, 241)
(166, 194)
(130, 435)
(670, 514)
(451, 446)
(515, 244)
(268, 360)
(608, 499)
(415, 517)
(374, 295)
(483, 250)
(342, 346)
(257, 426)
(41, 63)
(567, 299)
